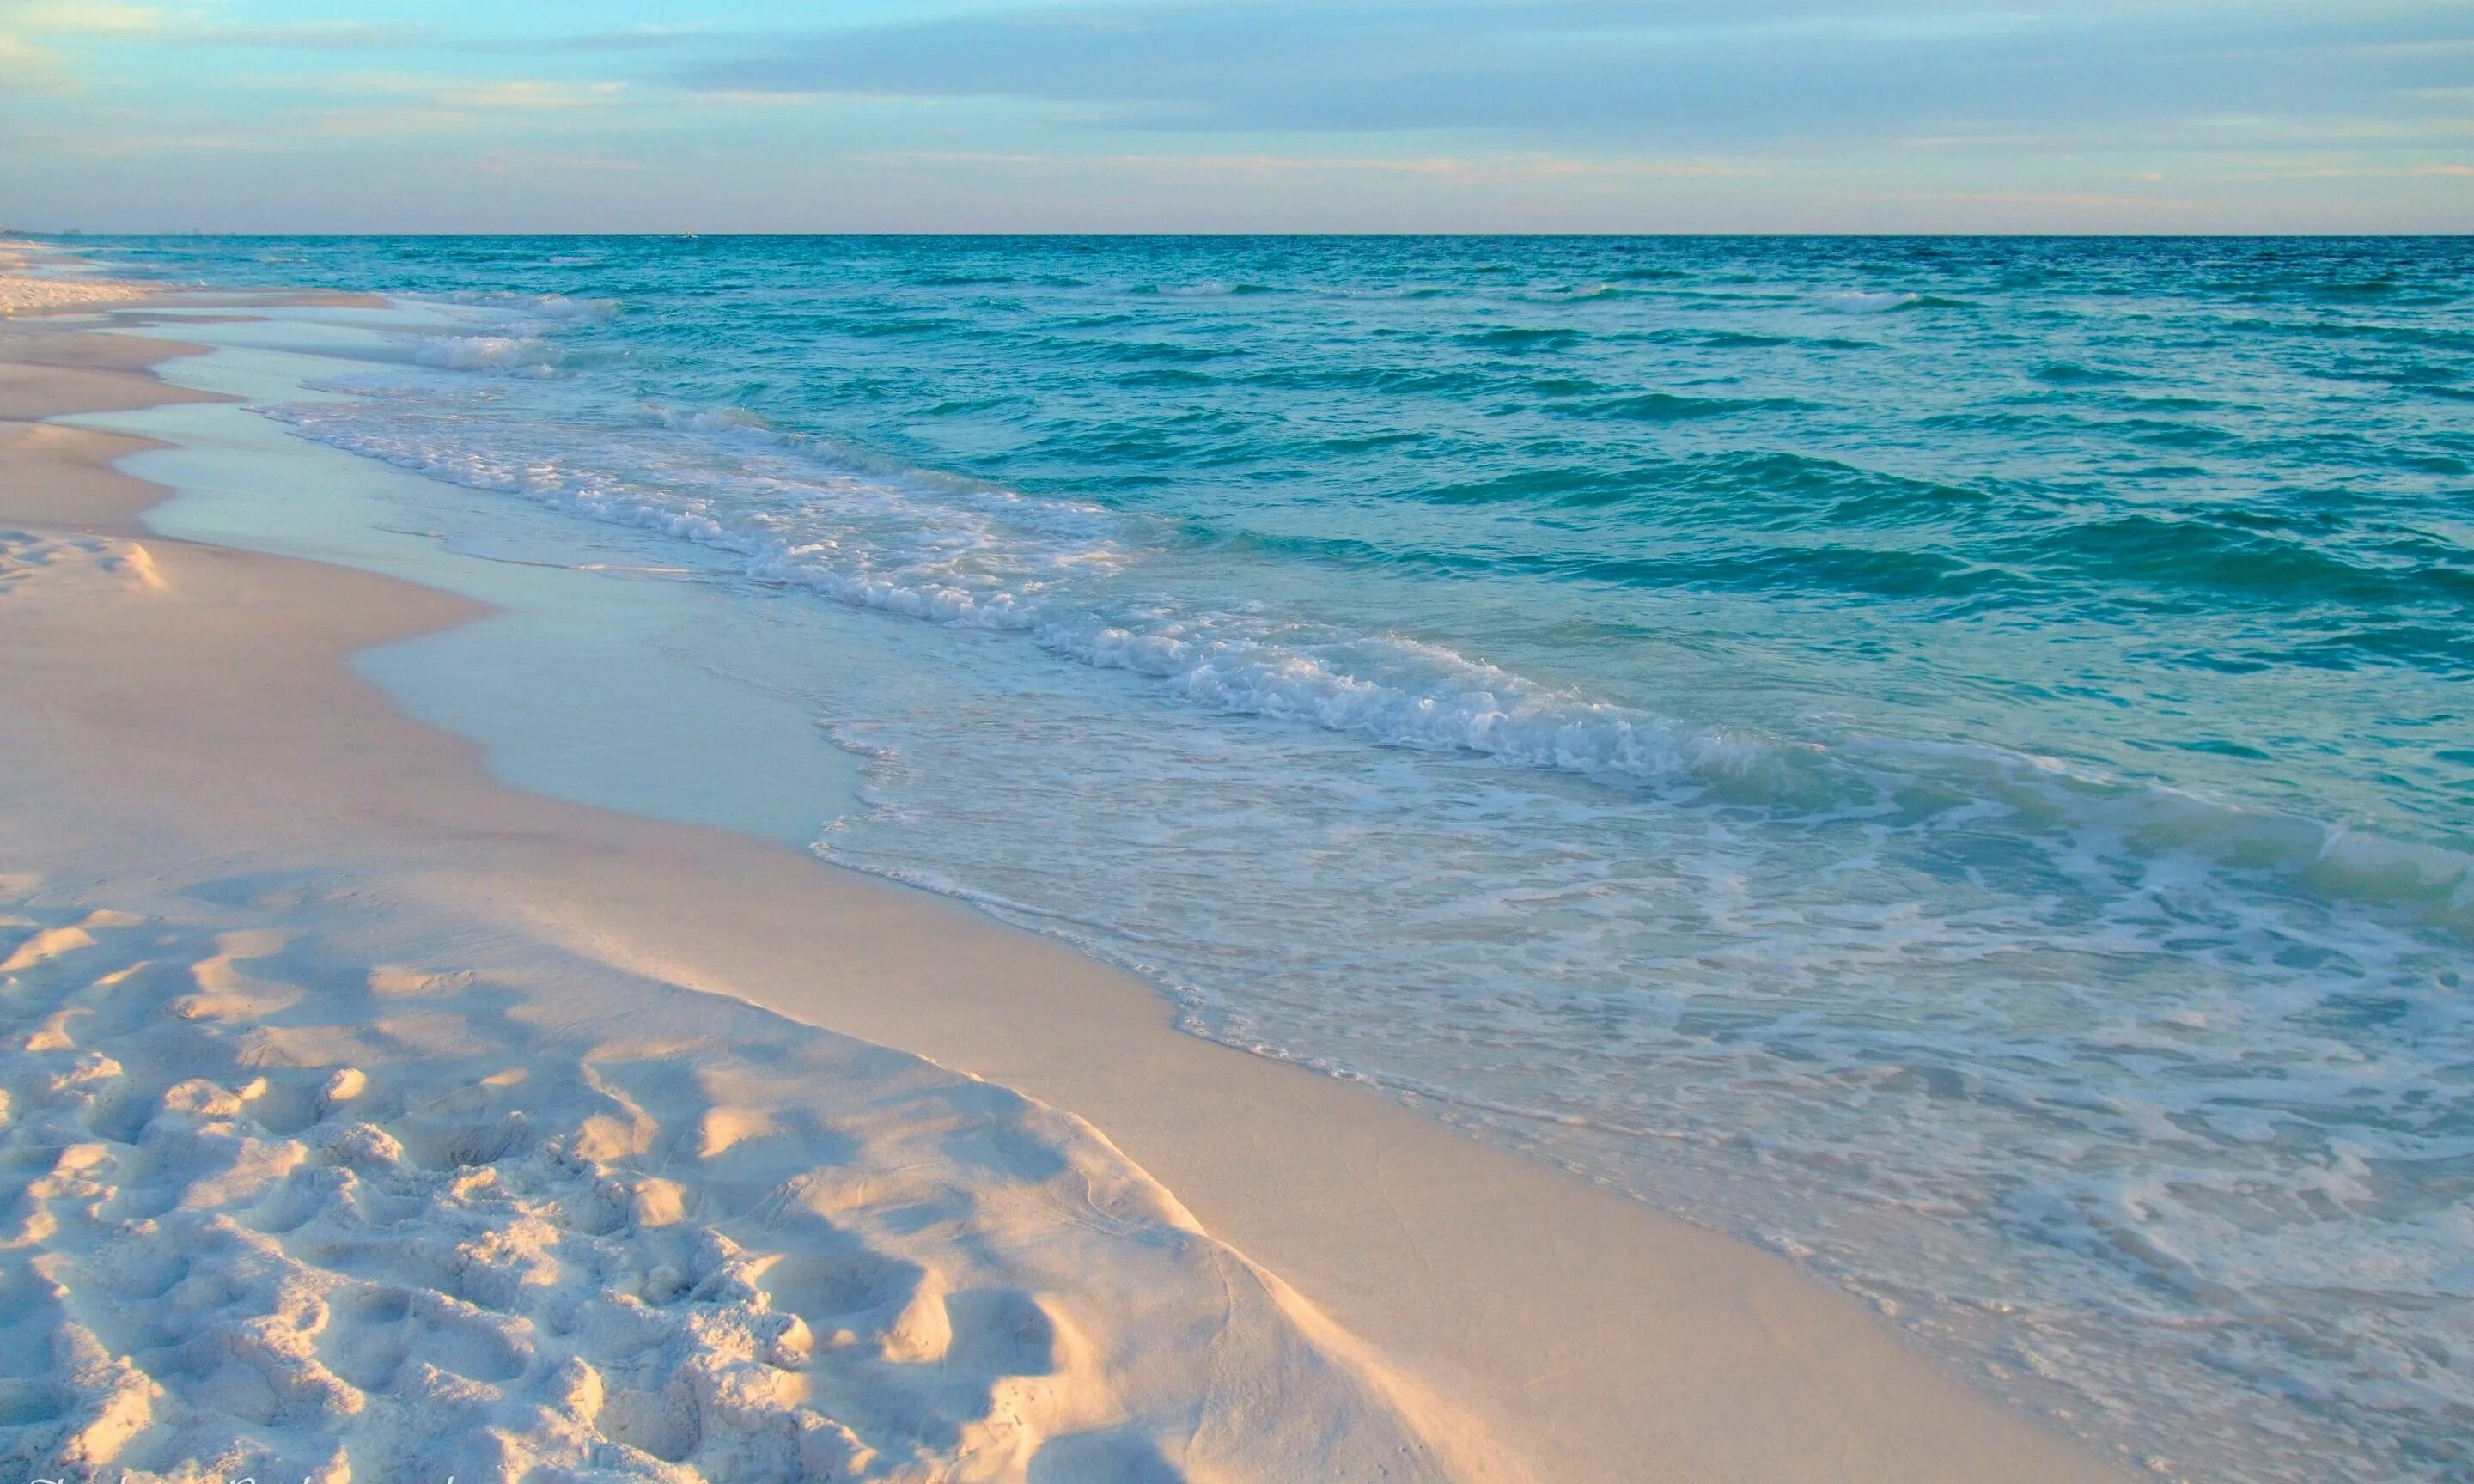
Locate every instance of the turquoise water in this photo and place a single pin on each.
(1949, 758)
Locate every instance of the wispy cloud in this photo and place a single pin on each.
(2071, 200)
(1760, 69)
(456, 94)
(314, 35)
(1466, 168)
(27, 68)
(2303, 171)
(414, 105)
(31, 60)
(1395, 114)
(527, 94)
(533, 162)
(634, 38)
(24, 24)
(84, 18)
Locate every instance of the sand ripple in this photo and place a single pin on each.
(272, 1208)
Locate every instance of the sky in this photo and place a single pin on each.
(1238, 115)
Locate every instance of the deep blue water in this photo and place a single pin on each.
(1949, 757)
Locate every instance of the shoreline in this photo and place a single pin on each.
(1594, 1337)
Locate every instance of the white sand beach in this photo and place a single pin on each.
(366, 1118)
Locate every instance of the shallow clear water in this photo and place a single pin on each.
(1948, 757)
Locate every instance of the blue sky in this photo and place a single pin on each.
(1450, 115)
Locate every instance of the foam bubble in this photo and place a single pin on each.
(555, 308)
(515, 354)
(965, 556)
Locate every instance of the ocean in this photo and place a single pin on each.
(1947, 758)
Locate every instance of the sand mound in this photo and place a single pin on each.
(27, 557)
(48, 290)
(277, 1205)
(21, 293)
